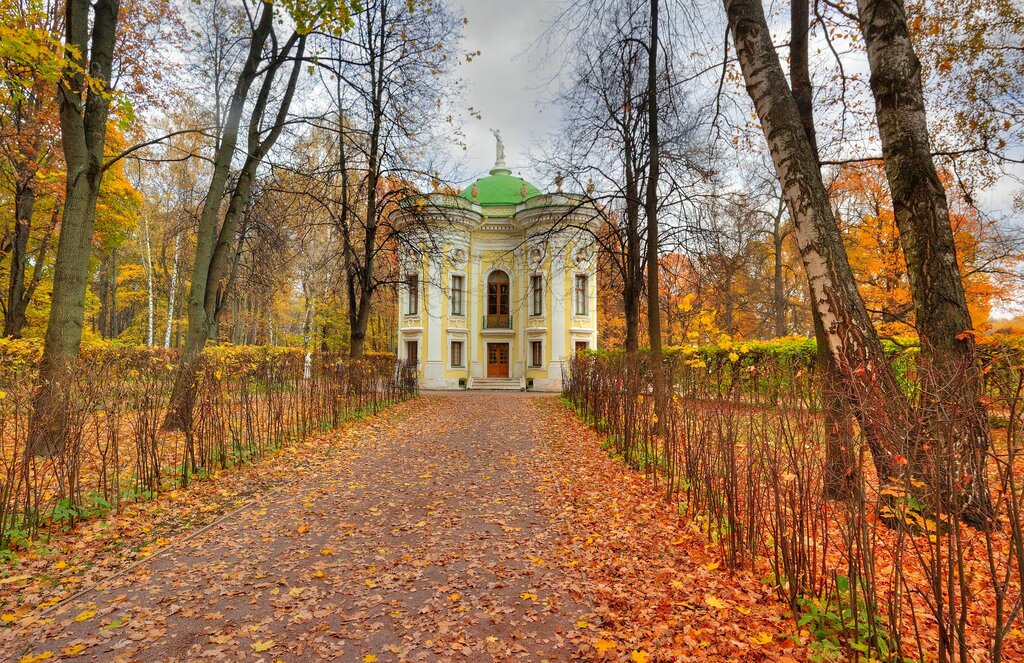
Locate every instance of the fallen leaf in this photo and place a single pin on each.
(33, 658)
(263, 645)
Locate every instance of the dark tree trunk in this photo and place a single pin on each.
(943, 321)
(14, 318)
(213, 246)
(83, 122)
(778, 286)
(651, 199)
(633, 272)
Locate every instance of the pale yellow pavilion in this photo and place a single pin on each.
(500, 283)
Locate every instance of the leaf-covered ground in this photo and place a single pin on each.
(469, 526)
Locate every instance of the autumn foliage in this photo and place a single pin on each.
(885, 574)
(250, 401)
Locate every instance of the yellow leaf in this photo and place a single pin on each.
(638, 656)
(604, 646)
(582, 623)
(529, 596)
(676, 585)
(454, 597)
(72, 650)
(33, 658)
(82, 616)
(326, 551)
(370, 658)
(714, 602)
(262, 645)
(9, 617)
(761, 639)
(711, 566)
(491, 639)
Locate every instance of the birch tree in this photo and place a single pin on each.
(866, 377)
(950, 367)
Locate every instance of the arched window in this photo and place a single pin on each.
(497, 300)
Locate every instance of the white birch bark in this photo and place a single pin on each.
(174, 291)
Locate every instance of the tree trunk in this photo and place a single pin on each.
(150, 306)
(778, 286)
(113, 324)
(840, 460)
(173, 292)
(83, 136)
(212, 246)
(662, 398)
(867, 378)
(24, 205)
(951, 371)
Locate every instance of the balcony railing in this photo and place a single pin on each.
(499, 321)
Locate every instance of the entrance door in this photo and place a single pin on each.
(497, 360)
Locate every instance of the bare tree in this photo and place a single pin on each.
(266, 58)
(390, 85)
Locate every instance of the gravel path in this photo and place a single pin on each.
(422, 537)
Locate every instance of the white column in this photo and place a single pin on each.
(558, 309)
(472, 295)
(433, 367)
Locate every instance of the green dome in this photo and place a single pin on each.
(501, 187)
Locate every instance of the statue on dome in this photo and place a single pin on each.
(499, 148)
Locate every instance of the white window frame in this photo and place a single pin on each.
(541, 364)
(533, 295)
(581, 301)
(462, 353)
(451, 290)
(412, 296)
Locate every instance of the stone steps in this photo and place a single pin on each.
(496, 384)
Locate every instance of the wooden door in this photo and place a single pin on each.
(497, 360)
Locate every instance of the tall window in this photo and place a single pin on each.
(497, 301)
(536, 354)
(412, 352)
(537, 294)
(457, 290)
(457, 354)
(581, 294)
(412, 285)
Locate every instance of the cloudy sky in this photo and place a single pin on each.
(508, 83)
